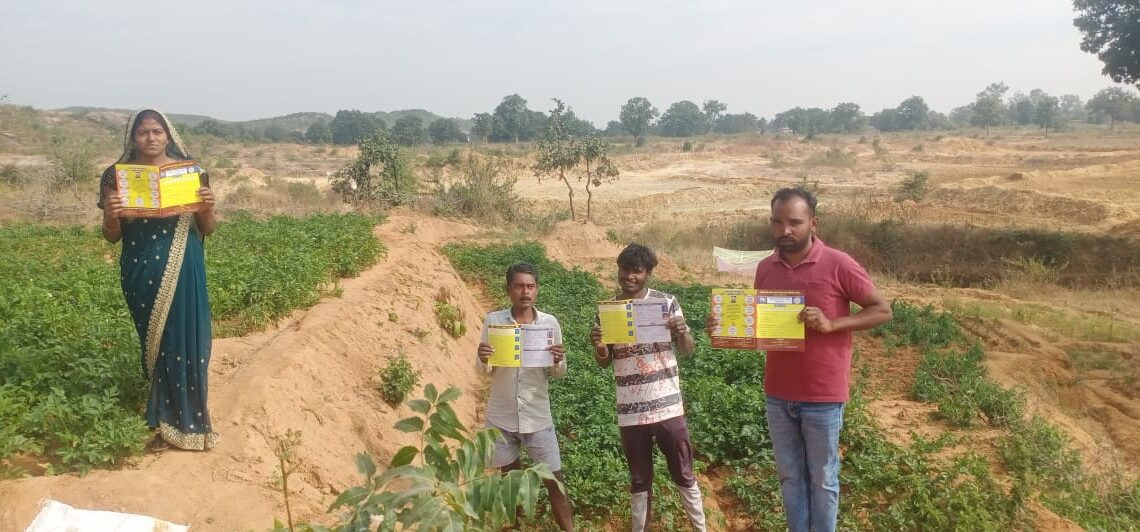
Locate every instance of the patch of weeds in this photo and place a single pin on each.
(398, 378)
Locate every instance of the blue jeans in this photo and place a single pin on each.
(805, 438)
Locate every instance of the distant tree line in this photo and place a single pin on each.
(513, 121)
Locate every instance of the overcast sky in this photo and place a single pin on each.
(244, 59)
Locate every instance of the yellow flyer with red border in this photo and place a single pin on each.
(763, 320)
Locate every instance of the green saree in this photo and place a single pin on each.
(163, 277)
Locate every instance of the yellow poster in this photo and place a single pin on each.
(616, 319)
(778, 325)
(505, 341)
(735, 310)
(152, 191)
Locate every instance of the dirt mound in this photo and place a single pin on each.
(992, 199)
(316, 373)
(1102, 420)
(571, 242)
(957, 145)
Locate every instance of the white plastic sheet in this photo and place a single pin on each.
(738, 261)
(55, 516)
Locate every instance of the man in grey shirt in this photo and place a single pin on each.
(519, 405)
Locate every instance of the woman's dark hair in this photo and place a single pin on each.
(171, 149)
(521, 267)
(635, 257)
(143, 115)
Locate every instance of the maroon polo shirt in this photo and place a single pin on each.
(830, 279)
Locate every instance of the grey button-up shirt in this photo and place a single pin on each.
(520, 398)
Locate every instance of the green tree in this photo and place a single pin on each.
(988, 109)
(1111, 30)
(1048, 113)
(599, 168)
(275, 133)
(912, 113)
(712, 110)
(961, 116)
(349, 127)
(512, 119)
(445, 131)
(1021, 109)
(636, 116)
(318, 133)
(483, 126)
(682, 119)
(578, 127)
(409, 130)
(614, 129)
(886, 120)
(936, 120)
(847, 118)
(380, 174)
(558, 152)
(808, 122)
(1072, 108)
(1113, 102)
(731, 124)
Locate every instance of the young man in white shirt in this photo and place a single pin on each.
(519, 406)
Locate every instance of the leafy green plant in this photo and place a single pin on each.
(914, 186)
(450, 318)
(956, 382)
(451, 488)
(397, 379)
(612, 236)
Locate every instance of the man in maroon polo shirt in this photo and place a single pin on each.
(806, 391)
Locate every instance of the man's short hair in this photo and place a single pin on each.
(636, 256)
(521, 267)
(785, 194)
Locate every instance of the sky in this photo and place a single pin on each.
(248, 59)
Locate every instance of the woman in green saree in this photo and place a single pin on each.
(163, 276)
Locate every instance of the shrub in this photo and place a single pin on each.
(485, 191)
(914, 186)
(834, 157)
(397, 379)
